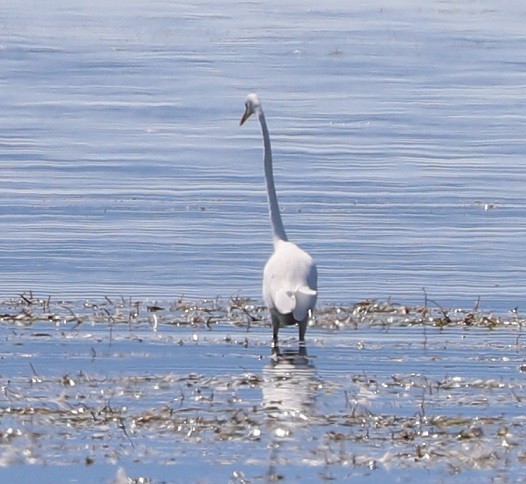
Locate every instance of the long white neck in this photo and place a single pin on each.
(275, 215)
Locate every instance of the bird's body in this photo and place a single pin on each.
(290, 286)
(290, 278)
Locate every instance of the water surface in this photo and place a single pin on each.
(398, 139)
(397, 133)
(116, 389)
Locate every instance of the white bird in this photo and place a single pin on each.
(290, 277)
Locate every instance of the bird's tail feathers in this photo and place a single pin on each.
(298, 302)
(305, 300)
(285, 301)
(307, 291)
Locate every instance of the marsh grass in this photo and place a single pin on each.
(27, 310)
(130, 396)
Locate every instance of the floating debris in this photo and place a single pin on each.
(387, 387)
(28, 309)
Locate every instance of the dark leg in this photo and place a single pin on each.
(303, 329)
(275, 352)
(275, 329)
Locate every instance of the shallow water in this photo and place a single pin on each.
(114, 389)
(398, 139)
(397, 133)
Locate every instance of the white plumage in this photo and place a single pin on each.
(290, 278)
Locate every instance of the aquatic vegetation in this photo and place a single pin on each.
(384, 388)
(28, 309)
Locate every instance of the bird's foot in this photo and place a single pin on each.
(302, 349)
(274, 349)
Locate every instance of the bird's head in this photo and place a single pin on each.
(251, 105)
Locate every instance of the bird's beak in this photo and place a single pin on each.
(245, 117)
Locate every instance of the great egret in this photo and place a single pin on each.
(290, 277)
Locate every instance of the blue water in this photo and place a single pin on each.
(66, 387)
(398, 138)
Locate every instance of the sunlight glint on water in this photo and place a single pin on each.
(398, 137)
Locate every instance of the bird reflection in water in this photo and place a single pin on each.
(289, 384)
(289, 398)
